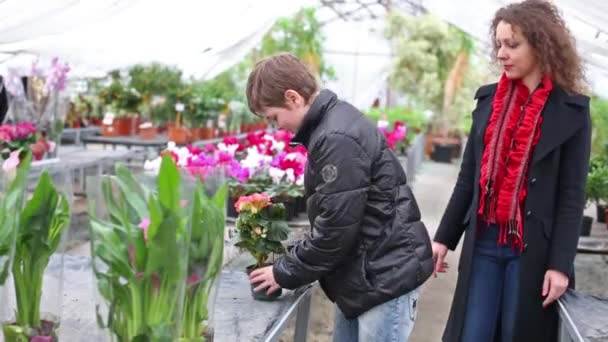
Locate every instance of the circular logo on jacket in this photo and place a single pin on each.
(329, 173)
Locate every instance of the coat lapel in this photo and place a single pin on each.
(561, 120)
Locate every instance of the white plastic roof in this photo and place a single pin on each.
(204, 38)
(200, 37)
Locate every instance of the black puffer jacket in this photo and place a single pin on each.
(367, 243)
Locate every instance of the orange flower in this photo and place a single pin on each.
(253, 203)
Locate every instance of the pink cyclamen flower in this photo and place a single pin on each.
(144, 224)
(10, 165)
(183, 202)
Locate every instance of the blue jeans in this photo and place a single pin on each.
(492, 299)
(392, 321)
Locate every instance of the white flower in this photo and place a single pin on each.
(171, 145)
(182, 156)
(179, 107)
(228, 148)
(291, 178)
(278, 146)
(255, 159)
(52, 146)
(108, 118)
(276, 174)
(153, 165)
(300, 181)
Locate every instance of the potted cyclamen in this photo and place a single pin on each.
(262, 227)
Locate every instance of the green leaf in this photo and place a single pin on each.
(135, 194)
(169, 184)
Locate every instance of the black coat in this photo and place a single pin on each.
(367, 243)
(553, 209)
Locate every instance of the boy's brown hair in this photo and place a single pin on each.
(273, 76)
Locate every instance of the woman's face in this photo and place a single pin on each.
(515, 54)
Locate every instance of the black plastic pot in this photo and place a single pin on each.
(442, 153)
(230, 210)
(586, 225)
(601, 213)
(262, 295)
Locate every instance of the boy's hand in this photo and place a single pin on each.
(265, 279)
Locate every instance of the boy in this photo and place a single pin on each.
(367, 248)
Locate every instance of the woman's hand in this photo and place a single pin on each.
(439, 253)
(554, 286)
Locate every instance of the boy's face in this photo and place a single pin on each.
(290, 116)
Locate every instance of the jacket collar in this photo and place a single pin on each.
(562, 117)
(319, 107)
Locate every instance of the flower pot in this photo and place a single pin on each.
(601, 213)
(262, 295)
(141, 258)
(230, 210)
(292, 209)
(301, 204)
(586, 225)
(148, 133)
(123, 125)
(180, 135)
(195, 133)
(37, 281)
(207, 133)
(442, 153)
(109, 131)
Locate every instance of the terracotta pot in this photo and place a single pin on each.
(125, 125)
(109, 131)
(195, 133)
(180, 135)
(207, 133)
(148, 133)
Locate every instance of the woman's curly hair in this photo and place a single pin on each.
(544, 28)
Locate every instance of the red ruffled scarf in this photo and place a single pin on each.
(512, 133)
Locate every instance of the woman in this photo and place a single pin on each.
(519, 197)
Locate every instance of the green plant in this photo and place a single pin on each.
(599, 120)
(140, 253)
(11, 201)
(300, 35)
(434, 66)
(261, 226)
(41, 224)
(255, 184)
(596, 188)
(205, 261)
(285, 190)
(158, 80)
(118, 96)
